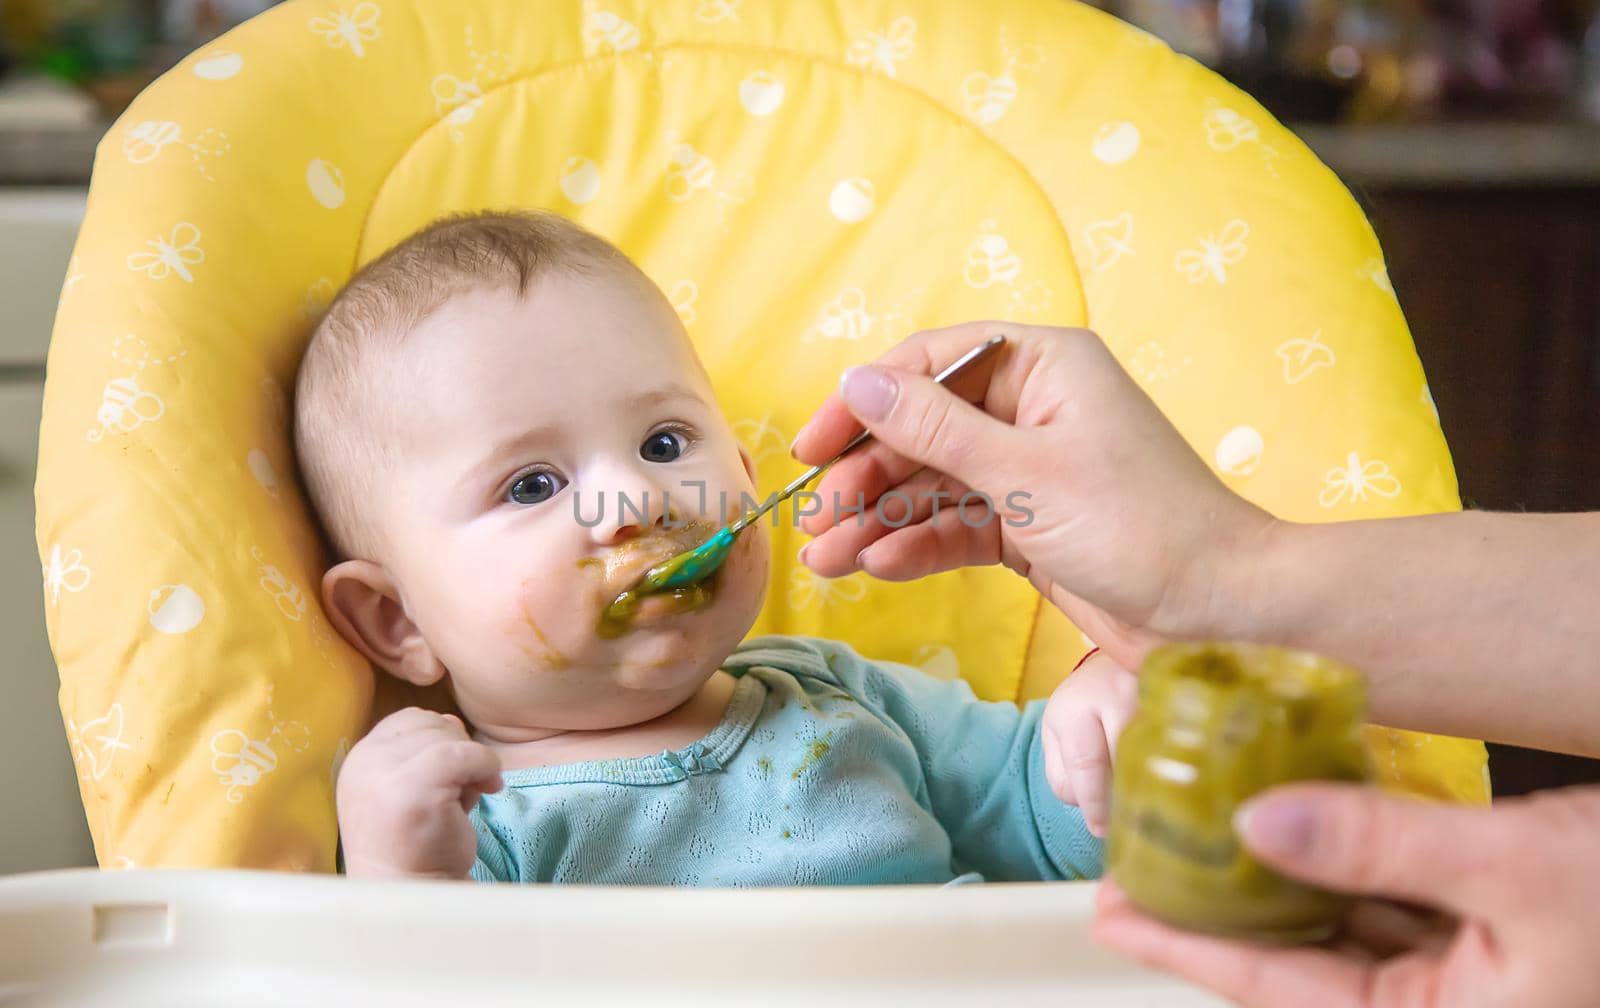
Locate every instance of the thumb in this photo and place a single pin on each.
(1357, 840)
(930, 425)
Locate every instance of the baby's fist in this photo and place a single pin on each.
(1082, 722)
(404, 793)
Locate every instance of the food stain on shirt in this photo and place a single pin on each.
(814, 753)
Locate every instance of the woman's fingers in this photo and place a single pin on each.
(1355, 839)
(927, 352)
(927, 494)
(936, 533)
(1255, 976)
(1387, 929)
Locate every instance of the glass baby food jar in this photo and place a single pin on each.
(1216, 724)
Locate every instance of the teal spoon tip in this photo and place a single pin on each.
(690, 568)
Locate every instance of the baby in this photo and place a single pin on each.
(502, 424)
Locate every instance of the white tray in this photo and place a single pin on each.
(243, 939)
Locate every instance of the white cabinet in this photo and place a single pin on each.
(41, 817)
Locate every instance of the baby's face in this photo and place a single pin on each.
(541, 442)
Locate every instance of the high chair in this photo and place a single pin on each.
(809, 182)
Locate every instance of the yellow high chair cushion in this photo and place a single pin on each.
(809, 182)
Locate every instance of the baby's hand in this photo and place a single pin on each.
(1082, 721)
(404, 793)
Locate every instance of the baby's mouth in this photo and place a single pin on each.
(623, 602)
(622, 567)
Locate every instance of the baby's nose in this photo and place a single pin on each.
(616, 533)
(630, 512)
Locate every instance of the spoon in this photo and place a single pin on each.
(687, 569)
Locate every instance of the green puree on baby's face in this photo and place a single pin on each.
(617, 618)
(1217, 724)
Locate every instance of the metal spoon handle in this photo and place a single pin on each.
(949, 374)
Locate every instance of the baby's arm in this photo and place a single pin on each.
(983, 769)
(404, 793)
(1082, 722)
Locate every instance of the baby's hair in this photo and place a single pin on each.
(340, 414)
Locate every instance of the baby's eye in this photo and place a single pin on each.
(535, 488)
(663, 446)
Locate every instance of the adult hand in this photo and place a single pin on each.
(1521, 880)
(1099, 501)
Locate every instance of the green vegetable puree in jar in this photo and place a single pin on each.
(1217, 724)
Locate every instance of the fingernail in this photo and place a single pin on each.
(868, 391)
(1283, 827)
(797, 437)
(861, 559)
(801, 556)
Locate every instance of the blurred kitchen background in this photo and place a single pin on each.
(1469, 130)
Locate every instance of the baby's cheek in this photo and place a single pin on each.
(749, 565)
(540, 620)
(758, 553)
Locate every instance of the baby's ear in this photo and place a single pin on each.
(364, 605)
